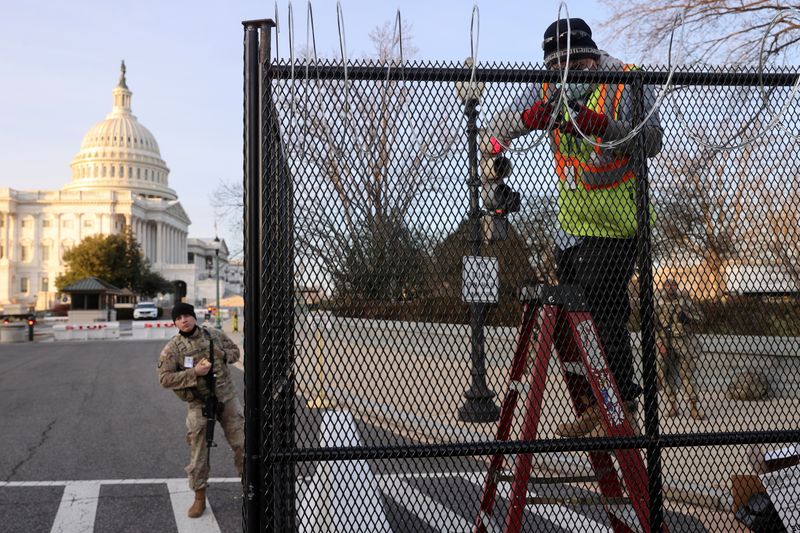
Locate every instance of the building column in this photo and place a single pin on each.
(159, 242)
(13, 240)
(57, 251)
(37, 238)
(6, 237)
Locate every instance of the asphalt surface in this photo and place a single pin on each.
(94, 412)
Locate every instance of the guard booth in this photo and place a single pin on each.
(93, 300)
(388, 405)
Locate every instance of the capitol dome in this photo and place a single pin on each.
(120, 153)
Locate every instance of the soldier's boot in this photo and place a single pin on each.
(695, 411)
(673, 408)
(199, 505)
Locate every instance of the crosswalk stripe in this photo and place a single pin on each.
(139, 481)
(433, 513)
(78, 508)
(182, 498)
(558, 514)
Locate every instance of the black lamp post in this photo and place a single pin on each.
(218, 322)
(479, 403)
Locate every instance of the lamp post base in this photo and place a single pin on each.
(479, 407)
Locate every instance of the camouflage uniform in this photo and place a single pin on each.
(175, 375)
(676, 314)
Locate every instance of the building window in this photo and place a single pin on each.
(130, 172)
(2, 252)
(45, 284)
(45, 252)
(24, 285)
(66, 223)
(46, 223)
(24, 253)
(138, 173)
(23, 223)
(2, 222)
(104, 171)
(88, 223)
(113, 171)
(191, 258)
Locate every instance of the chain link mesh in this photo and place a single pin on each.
(381, 385)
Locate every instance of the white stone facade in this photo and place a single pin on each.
(118, 180)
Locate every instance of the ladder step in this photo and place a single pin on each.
(500, 476)
(584, 500)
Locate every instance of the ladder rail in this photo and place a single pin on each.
(613, 417)
(533, 410)
(531, 317)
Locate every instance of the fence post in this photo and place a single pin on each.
(277, 317)
(645, 260)
(252, 501)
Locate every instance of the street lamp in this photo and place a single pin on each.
(218, 324)
(479, 403)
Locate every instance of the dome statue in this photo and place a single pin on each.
(120, 153)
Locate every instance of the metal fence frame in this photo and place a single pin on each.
(269, 503)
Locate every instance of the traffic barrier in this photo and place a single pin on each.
(159, 329)
(82, 332)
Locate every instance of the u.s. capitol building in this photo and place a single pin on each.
(118, 180)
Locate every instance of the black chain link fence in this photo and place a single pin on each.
(384, 312)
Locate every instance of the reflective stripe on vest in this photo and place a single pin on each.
(570, 167)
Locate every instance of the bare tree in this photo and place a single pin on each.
(722, 205)
(713, 30)
(357, 152)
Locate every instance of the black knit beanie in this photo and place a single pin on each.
(182, 308)
(581, 44)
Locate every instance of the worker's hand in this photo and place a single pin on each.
(588, 121)
(538, 116)
(202, 367)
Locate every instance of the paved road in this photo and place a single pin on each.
(91, 442)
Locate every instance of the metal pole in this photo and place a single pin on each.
(479, 403)
(277, 334)
(219, 314)
(252, 501)
(644, 250)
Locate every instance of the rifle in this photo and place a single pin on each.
(211, 404)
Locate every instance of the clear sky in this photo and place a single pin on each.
(60, 61)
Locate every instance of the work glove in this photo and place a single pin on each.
(489, 145)
(589, 122)
(538, 116)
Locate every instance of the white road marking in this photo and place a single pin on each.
(342, 495)
(557, 514)
(78, 508)
(141, 481)
(433, 513)
(182, 498)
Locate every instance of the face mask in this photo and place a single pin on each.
(577, 91)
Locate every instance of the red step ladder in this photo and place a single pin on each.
(561, 317)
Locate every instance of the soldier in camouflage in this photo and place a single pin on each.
(677, 345)
(183, 366)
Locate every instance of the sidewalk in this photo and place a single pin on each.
(416, 389)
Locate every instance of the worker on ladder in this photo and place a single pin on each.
(596, 245)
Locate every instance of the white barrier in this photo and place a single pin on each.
(82, 332)
(157, 329)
